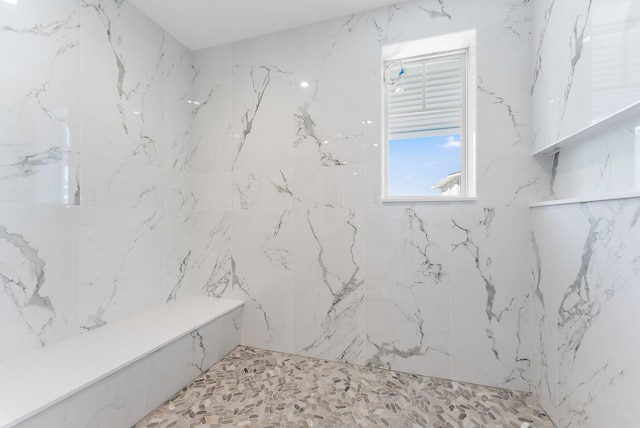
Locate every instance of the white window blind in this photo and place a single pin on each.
(429, 99)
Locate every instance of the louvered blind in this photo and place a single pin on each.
(429, 98)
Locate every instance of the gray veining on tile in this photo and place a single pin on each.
(576, 44)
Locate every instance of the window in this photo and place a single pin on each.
(430, 134)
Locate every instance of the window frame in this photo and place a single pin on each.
(432, 49)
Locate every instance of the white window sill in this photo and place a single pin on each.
(428, 199)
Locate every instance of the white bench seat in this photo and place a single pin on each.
(169, 345)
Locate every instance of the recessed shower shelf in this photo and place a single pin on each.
(630, 112)
(580, 200)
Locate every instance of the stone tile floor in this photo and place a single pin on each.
(254, 387)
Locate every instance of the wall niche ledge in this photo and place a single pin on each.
(630, 112)
(580, 200)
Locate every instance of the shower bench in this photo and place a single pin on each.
(116, 374)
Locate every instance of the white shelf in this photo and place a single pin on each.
(630, 195)
(608, 122)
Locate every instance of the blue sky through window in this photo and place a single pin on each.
(417, 164)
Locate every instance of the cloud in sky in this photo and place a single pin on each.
(451, 143)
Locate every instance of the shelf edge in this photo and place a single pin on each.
(580, 200)
(597, 127)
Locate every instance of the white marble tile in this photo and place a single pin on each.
(216, 265)
(112, 182)
(262, 122)
(604, 164)
(215, 190)
(197, 191)
(552, 65)
(373, 185)
(330, 187)
(181, 268)
(121, 259)
(506, 173)
(408, 290)
(39, 271)
(328, 275)
(122, 83)
(262, 276)
(119, 398)
(178, 108)
(40, 103)
(582, 51)
(582, 48)
(181, 191)
(177, 364)
(197, 253)
(545, 53)
(602, 389)
(406, 21)
(206, 342)
(544, 306)
(373, 132)
(328, 57)
(596, 276)
(584, 370)
(263, 190)
(209, 146)
(490, 327)
(230, 331)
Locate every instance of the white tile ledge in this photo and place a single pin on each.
(33, 382)
(630, 195)
(630, 112)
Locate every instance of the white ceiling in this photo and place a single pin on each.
(200, 24)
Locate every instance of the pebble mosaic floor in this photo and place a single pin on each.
(257, 388)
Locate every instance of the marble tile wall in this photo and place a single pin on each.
(101, 213)
(39, 147)
(585, 370)
(134, 172)
(585, 64)
(327, 270)
(586, 68)
(605, 164)
(584, 367)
